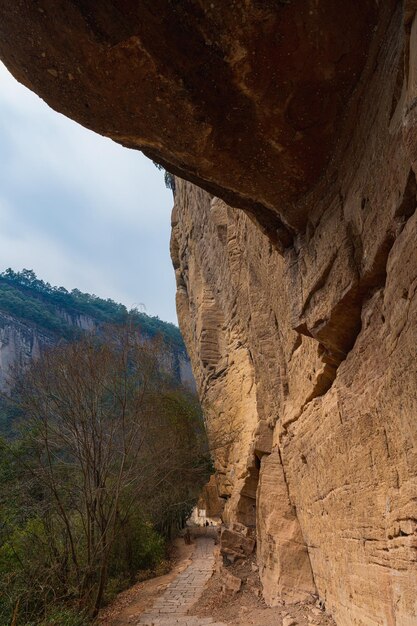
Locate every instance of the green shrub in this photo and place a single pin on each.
(138, 547)
(64, 617)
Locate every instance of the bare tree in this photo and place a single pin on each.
(108, 430)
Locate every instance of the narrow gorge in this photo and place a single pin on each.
(291, 128)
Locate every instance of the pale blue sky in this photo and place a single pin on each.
(79, 209)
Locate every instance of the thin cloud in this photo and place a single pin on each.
(79, 209)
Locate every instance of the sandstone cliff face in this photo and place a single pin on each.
(311, 355)
(340, 513)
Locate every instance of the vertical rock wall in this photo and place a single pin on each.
(19, 343)
(311, 357)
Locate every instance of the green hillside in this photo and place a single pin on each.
(31, 300)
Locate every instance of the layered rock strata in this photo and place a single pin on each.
(344, 497)
(310, 356)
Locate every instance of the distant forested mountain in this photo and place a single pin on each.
(103, 452)
(24, 295)
(34, 314)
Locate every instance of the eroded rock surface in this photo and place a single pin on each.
(285, 568)
(311, 355)
(244, 98)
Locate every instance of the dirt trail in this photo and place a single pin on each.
(184, 592)
(191, 595)
(127, 608)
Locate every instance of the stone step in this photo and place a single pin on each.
(171, 607)
(186, 620)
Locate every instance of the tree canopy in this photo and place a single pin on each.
(109, 460)
(55, 309)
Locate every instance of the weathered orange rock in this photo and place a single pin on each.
(210, 500)
(236, 543)
(246, 99)
(319, 346)
(230, 584)
(285, 568)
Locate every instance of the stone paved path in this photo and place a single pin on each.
(172, 607)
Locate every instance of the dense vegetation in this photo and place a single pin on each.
(109, 460)
(30, 299)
